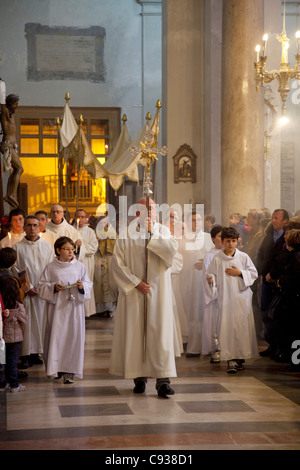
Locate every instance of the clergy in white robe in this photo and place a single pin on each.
(211, 323)
(65, 318)
(33, 254)
(211, 317)
(177, 303)
(130, 356)
(105, 288)
(176, 228)
(237, 334)
(60, 226)
(194, 246)
(47, 235)
(87, 256)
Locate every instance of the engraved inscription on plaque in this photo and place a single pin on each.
(59, 53)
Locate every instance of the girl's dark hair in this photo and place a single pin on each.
(9, 291)
(8, 257)
(229, 232)
(62, 241)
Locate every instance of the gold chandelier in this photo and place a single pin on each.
(285, 74)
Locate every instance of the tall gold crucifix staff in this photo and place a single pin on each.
(148, 151)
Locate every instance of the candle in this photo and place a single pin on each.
(77, 229)
(9, 236)
(257, 52)
(265, 38)
(298, 38)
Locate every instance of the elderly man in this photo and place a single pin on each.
(61, 227)
(33, 255)
(143, 341)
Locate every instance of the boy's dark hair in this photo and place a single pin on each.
(9, 291)
(229, 232)
(41, 212)
(16, 211)
(61, 241)
(215, 230)
(8, 257)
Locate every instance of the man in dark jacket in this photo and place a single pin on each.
(268, 254)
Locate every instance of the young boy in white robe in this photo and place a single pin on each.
(232, 272)
(211, 318)
(65, 286)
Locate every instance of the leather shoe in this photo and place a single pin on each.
(139, 387)
(165, 390)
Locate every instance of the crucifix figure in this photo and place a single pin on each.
(8, 146)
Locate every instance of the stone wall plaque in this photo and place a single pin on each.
(185, 165)
(65, 53)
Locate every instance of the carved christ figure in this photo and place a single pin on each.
(8, 146)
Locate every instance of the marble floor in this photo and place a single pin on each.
(256, 409)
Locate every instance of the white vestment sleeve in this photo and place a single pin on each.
(123, 276)
(249, 275)
(46, 288)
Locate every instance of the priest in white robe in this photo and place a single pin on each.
(211, 317)
(143, 341)
(194, 245)
(106, 291)
(45, 234)
(65, 318)
(87, 255)
(33, 254)
(61, 227)
(232, 274)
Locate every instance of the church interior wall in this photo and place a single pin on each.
(132, 55)
(175, 57)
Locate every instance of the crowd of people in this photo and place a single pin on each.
(172, 286)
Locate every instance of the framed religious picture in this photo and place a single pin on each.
(184, 165)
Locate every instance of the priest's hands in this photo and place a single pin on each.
(233, 271)
(32, 292)
(199, 265)
(143, 287)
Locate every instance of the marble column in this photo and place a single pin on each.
(242, 142)
(183, 112)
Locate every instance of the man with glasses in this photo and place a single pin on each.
(61, 227)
